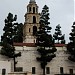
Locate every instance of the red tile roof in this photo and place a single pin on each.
(60, 45)
(33, 44)
(25, 44)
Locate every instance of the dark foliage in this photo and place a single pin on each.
(19, 33)
(58, 35)
(45, 42)
(8, 38)
(71, 44)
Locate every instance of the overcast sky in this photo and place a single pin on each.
(61, 12)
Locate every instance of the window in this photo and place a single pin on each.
(19, 69)
(34, 30)
(34, 41)
(3, 71)
(33, 9)
(29, 9)
(29, 29)
(71, 71)
(36, 9)
(33, 70)
(34, 19)
(47, 70)
(61, 70)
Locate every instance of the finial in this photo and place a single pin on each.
(32, 1)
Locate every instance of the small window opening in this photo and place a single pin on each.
(47, 70)
(71, 71)
(36, 9)
(33, 70)
(19, 69)
(33, 9)
(61, 70)
(34, 30)
(3, 71)
(29, 29)
(34, 19)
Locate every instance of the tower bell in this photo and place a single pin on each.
(31, 24)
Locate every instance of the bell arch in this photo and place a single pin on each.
(33, 9)
(34, 19)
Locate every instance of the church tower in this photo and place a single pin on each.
(31, 24)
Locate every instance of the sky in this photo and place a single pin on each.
(61, 12)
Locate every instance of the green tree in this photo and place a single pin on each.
(18, 38)
(7, 39)
(58, 35)
(45, 42)
(71, 44)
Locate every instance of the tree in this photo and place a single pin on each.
(45, 42)
(58, 35)
(19, 33)
(71, 44)
(7, 39)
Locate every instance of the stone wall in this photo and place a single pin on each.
(28, 60)
(19, 73)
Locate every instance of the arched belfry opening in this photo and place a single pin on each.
(34, 19)
(34, 30)
(33, 9)
(29, 9)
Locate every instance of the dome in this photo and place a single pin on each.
(32, 1)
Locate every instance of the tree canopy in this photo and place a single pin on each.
(45, 41)
(71, 44)
(8, 37)
(58, 37)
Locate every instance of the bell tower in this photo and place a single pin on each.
(31, 24)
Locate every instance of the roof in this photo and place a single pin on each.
(25, 44)
(60, 45)
(34, 45)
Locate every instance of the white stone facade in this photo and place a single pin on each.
(5, 64)
(28, 60)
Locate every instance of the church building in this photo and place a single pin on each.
(27, 62)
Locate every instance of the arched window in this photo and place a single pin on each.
(3, 71)
(36, 9)
(34, 30)
(34, 19)
(29, 9)
(33, 9)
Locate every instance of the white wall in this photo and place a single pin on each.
(28, 60)
(5, 65)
